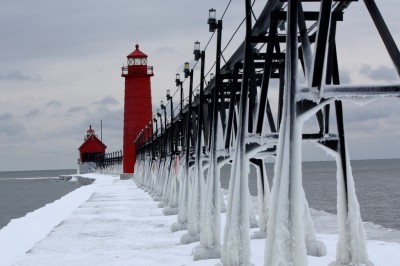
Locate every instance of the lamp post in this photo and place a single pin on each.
(141, 144)
(149, 138)
(188, 131)
(163, 107)
(161, 132)
(201, 99)
(169, 98)
(155, 122)
(216, 26)
(211, 221)
(145, 140)
(179, 84)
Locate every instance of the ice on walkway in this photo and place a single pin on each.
(113, 222)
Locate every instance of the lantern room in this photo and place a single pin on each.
(137, 64)
(91, 147)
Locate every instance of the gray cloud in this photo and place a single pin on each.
(108, 100)
(383, 73)
(54, 104)
(9, 126)
(6, 117)
(165, 50)
(32, 113)
(76, 109)
(19, 76)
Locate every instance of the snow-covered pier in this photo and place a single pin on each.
(113, 222)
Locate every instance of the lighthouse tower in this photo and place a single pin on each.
(137, 107)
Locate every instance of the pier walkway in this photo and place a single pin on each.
(113, 222)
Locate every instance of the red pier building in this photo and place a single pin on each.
(91, 147)
(137, 106)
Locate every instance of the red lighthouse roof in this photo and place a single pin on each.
(137, 53)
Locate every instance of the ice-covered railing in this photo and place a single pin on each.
(233, 121)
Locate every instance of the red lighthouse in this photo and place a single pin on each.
(137, 107)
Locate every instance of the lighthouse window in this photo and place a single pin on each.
(137, 61)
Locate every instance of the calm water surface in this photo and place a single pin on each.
(25, 191)
(377, 185)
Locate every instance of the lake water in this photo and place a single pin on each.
(377, 185)
(25, 191)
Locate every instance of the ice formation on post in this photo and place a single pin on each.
(183, 180)
(210, 234)
(352, 246)
(285, 234)
(210, 242)
(236, 247)
(193, 224)
(173, 188)
(165, 184)
(195, 199)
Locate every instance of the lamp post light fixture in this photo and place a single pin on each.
(168, 95)
(178, 79)
(212, 19)
(196, 51)
(186, 69)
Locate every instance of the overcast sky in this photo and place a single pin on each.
(61, 65)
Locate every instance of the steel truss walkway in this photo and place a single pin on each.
(232, 121)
